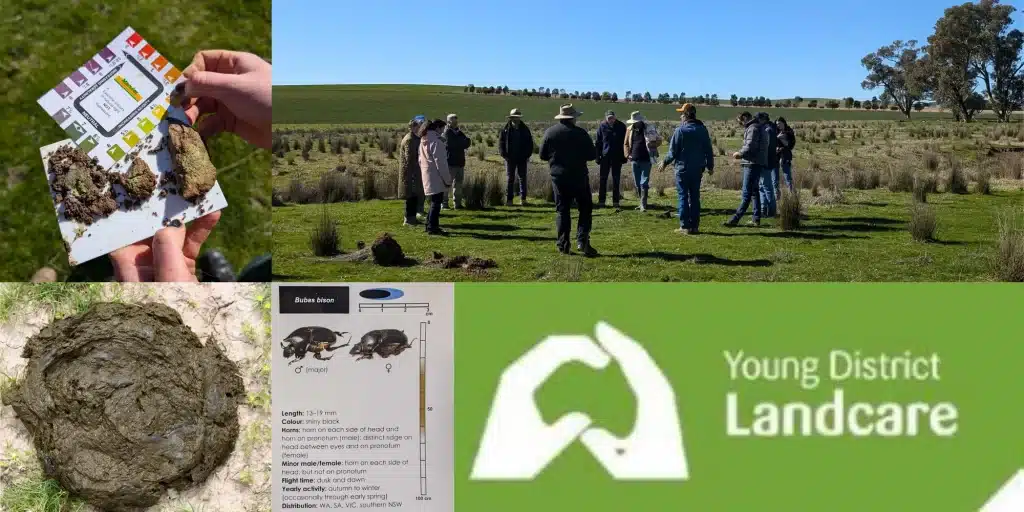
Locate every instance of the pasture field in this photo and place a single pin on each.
(41, 43)
(857, 182)
(359, 104)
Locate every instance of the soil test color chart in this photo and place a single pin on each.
(364, 396)
(115, 106)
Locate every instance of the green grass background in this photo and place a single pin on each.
(357, 104)
(41, 42)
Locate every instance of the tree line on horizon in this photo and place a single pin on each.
(972, 62)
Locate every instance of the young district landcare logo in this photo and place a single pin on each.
(517, 444)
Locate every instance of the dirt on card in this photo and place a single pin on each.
(139, 182)
(81, 185)
(124, 401)
(193, 170)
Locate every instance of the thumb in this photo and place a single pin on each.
(168, 259)
(568, 428)
(207, 84)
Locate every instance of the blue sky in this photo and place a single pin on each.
(775, 48)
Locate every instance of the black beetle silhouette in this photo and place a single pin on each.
(312, 339)
(383, 342)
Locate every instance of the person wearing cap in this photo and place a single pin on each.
(410, 185)
(770, 173)
(638, 153)
(691, 151)
(753, 156)
(611, 137)
(515, 144)
(457, 143)
(434, 171)
(567, 148)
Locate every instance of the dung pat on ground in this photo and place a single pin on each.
(193, 169)
(81, 185)
(123, 401)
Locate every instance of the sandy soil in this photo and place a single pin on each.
(229, 314)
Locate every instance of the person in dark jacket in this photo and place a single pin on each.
(787, 141)
(458, 143)
(753, 157)
(770, 174)
(515, 144)
(567, 148)
(611, 136)
(691, 151)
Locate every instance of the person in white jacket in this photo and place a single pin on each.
(434, 171)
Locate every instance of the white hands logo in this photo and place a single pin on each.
(518, 445)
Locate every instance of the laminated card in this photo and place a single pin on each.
(117, 108)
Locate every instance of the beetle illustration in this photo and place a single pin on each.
(317, 340)
(382, 342)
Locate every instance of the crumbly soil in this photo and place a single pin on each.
(384, 251)
(139, 182)
(468, 263)
(146, 383)
(193, 169)
(81, 185)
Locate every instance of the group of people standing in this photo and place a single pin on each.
(432, 160)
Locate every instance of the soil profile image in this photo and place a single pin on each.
(134, 397)
(313, 340)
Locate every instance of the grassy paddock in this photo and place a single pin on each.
(306, 104)
(42, 42)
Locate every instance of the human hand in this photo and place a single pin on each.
(654, 449)
(736, 156)
(234, 88)
(517, 442)
(168, 256)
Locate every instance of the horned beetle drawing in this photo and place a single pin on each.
(318, 340)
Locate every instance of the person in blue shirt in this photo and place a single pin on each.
(691, 152)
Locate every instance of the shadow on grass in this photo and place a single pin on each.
(868, 220)
(784, 234)
(871, 203)
(855, 227)
(493, 227)
(489, 236)
(700, 259)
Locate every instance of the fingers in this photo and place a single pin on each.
(220, 61)
(534, 367)
(568, 428)
(197, 233)
(639, 368)
(602, 444)
(125, 270)
(169, 262)
(209, 84)
(212, 125)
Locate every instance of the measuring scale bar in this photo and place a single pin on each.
(386, 306)
(423, 408)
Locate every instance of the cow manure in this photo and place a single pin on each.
(384, 251)
(193, 170)
(124, 401)
(81, 185)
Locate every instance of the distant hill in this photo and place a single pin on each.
(363, 104)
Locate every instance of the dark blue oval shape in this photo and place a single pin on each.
(382, 293)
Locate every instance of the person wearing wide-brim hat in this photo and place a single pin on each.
(567, 148)
(611, 135)
(515, 144)
(691, 152)
(640, 150)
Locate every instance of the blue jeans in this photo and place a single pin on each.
(751, 178)
(787, 171)
(768, 187)
(688, 189)
(642, 175)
